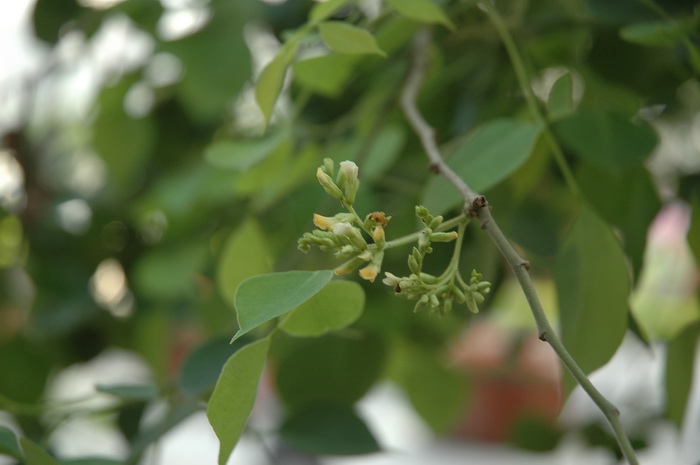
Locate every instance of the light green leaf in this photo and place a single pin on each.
(330, 368)
(653, 33)
(262, 298)
(383, 152)
(606, 139)
(325, 10)
(328, 429)
(345, 38)
(130, 392)
(36, 455)
(424, 11)
(486, 157)
(680, 360)
(245, 254)
(326, 74)
(271, 79)
(241, 155)
(593, 287)
(336, 306)
(234, 395)
(8, 443)
(561, 96)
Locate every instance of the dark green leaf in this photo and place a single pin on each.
(345, 38)
(653, 33)
(36, 455)
(262, 298)
(331, 369)
(680, 361)
(593, 289)
(92, 461)
(170, 272)
(203, 365)
(328, 429)
(606, 139)
(336, 306)
(50, 16)
(424, 11)
(245, 255)
(486, 157)
(8, 443)
(234, 395)
(694, 230)
(561, 96)
(130, 392)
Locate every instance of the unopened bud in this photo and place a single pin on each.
(347, 267)
(328, 166)
(444, 236)
(328, 185)
(348, 180)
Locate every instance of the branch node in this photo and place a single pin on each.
(525, 264)
(434, 168)
(543, 336)
(477, 204)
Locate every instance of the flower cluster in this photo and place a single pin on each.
(348, 237)
(342, 233)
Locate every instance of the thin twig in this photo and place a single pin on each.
(476, 205)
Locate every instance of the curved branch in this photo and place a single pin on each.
(476, 205)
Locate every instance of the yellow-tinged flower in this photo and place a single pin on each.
(378, 234)
(324, 222)
(370, 272)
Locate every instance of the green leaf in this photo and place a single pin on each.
(262, 298)
(654, 33)
(345, 38)
(50, 16)
(593, 288)
(329, 368)
(92, 461)
(437, 393)
(245, 255)
(336, 306)
(694, 230)
(561, 96)
(424, 11)
(234, 395)
(680, 360)
(328, 429)
(203, 365)
(383, 152)
(8, 443)
(606, 139)
(271, 79)
(486, 157)
(325, 10)
(326, 74)
(130, 392)
(36, 455)
(241, 155)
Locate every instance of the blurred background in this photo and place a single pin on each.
(140, 184)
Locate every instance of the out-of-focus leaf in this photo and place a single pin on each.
(262, 298)
(50, 16)
(325, 10)
(631, 210)
(326, 74)
(561, 96)
(35, 367)
(336, 306)
(694, 230)
(170, 272)
(486, 157)
(216, 61)
(241, 155)
(264, 174)
(424, 11)
(653, 33)
(383, 152)
(124, 143)
(245, 254)
(345, 38)
(92, 461)
(269, 84)
(593, 289)
(620, 11)
(606, 139)
(680, 360)
(328, 429)
(437, 393)
(203, 365)
(130, 392)
(330, 368)
(36, 455)
(234, 395)
(8, 443)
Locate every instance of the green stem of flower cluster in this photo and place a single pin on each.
(410, 238)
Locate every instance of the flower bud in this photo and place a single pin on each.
(391, 279)
(327, 222)
(347, 267)
(350, 233)
(378, 234)
(444, 236)
(328, 185)
(328, 166)
(347, 180)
